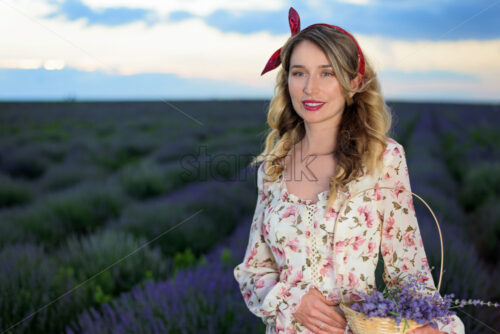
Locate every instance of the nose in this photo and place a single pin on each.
(311, 85)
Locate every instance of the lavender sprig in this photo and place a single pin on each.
(403, 301)
(474, 302)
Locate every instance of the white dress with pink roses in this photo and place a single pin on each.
(290, 246)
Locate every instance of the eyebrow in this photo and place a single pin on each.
(302, 66)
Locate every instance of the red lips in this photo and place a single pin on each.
(316, 104)
(311, 101)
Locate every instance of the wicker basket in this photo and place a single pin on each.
(358, 322)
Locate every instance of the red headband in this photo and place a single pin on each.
(294, 21)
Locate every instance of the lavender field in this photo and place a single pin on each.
(128, 217)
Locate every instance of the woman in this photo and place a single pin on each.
(328, 123)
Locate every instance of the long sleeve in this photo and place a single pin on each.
(401, 244)
(258, 274)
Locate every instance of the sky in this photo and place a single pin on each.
(440, 50)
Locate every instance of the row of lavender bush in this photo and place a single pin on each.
(202, 299)
(465, 272)
(142, 200)
(82, 256)
(468, 273)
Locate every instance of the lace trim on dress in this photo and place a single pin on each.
(289, 197)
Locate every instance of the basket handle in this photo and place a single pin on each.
(381, 229)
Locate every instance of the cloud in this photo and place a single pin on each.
(439, 20)
(118, 12)
(438, 85)
(74, 10)
(358, 2)
(189, 48)
(482, 90)
(196, 7)
(436, 20)
(426, 76)
(179, 15)
(473, 57)
(192, 49)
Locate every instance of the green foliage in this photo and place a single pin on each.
(481, 181)
(146, 179)
(454, 156)
(80, 210)
(100, 297)
(192, 222)
(112, 261)
(26, 165)
(483, 226)
(407, 130)
(54, 131)
(184, 259)
(142, 180)
(34, 292)
(13, 193)
(226, 256)
(486, 135)
(164, 221)
(120, 151)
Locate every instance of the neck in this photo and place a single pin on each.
(319, 142)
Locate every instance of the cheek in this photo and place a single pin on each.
(335, 89)
(296, 97)
(294, 88)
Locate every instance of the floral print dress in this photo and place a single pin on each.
(290, 247)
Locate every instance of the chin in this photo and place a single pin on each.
(315, 118)
(320, 117)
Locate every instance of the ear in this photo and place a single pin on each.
(355, 83)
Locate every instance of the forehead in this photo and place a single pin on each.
(307, 54)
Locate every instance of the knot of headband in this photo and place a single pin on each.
(294, 21)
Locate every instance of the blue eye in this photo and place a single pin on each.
(329, 74)
(296, 74)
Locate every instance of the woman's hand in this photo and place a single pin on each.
(427, 329)
(315, 312)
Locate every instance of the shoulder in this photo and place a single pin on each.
(262, 167)
(261, 171)
(394, 152)
(266, 180)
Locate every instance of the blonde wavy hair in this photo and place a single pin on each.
(366, 119)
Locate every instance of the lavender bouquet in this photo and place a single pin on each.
(406, 301)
